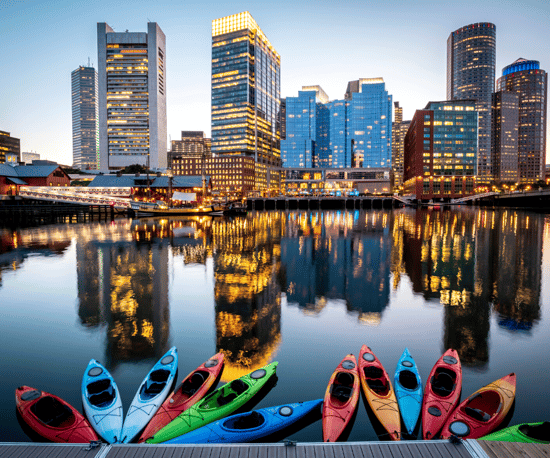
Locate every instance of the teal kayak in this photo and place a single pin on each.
(219, 404)
(408, 390)
(536, 433)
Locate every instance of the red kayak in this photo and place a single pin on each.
(442, 393)
(341, 399)
(191, 390)
(483, 411)
(53, 418)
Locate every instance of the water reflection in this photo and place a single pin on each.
(472, 263)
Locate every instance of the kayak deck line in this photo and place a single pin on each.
(470, 448)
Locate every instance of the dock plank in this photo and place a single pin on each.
(35, 450)
(501, 449)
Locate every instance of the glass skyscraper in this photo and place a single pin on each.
(132, 97)
(246, 94)
(471, 56)
(354, 132)
(85, 118)
(525, 78)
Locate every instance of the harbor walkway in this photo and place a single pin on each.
(403, 449)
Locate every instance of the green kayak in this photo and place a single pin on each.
(218, 404)
(537, 433)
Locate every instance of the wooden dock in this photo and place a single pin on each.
(403, 449)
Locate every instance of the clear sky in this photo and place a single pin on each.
(320, 42)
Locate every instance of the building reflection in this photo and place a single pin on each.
(123, 286)
(338, 255)
(247, 270)
(469, 260)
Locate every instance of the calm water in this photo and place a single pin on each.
(301, 288)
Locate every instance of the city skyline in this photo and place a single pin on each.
(404, 44)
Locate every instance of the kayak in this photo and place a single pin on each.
(101, 400)
(341, 398)
(191, 390)
(442, 393)
(249, 426)
(150, 395)
(378, 390)
(218, 404)
(483, 411)
(53, 418)
(408, 390)
(536, 433)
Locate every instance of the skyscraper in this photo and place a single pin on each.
(399, 131)
(132, 97)
(525, 78)
(471, 55)
(85, 114)
(246, 73)
(505, 136)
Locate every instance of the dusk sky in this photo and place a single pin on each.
(324, 42)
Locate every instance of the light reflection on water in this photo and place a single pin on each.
(303, 288)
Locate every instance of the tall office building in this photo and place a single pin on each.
(471, 56)
(132, 97)
(246, 82)
(399, 131)
(9, 145)
(85, 118)
(525, 78)
(505, 136)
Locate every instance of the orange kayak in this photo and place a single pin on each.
(483, 411)
(378, 390)
(191, 390)
(442, 393)
(341, 399)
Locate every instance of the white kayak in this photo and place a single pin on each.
(152, 392)
(101, 401)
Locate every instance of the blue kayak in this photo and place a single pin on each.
(101, 401)
(152, 392)
(249, 426)
(408, 390)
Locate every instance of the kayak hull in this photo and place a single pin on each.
(261, 423)
(341, 398)
(191, 390)
(152, 392)
(101, 401)
(218, 404)
(52, 418)
(442, 393)
(378, 391)
(534, 433)
(408, 391)
(483, 411)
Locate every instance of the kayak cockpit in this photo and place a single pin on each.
(250, 420)
(376, 380)
(192, 384)
(342, 388)
(225, 395)
(540, 432)
(443, 382)
(408, 380)
(483, 406)
(101, 393)
(156, 382)
(53, 413)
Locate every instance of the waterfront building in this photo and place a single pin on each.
(471, 56)
(12, 177)
(246, 82)
(193, 143)
(440, 151)
(132, 97)
(231, 175)
(85, 118)
(505, 137)
(525, 78)
(399, 130)
(8, 144)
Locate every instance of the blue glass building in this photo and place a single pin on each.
(352, 132)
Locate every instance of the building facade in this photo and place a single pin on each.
(525, 78)
(85, 118)
(440, 151)
(132, 97)
(246, 82)
(399, 131)
(471, 57)
(9, 144)
(505, 137)
(193, 143)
